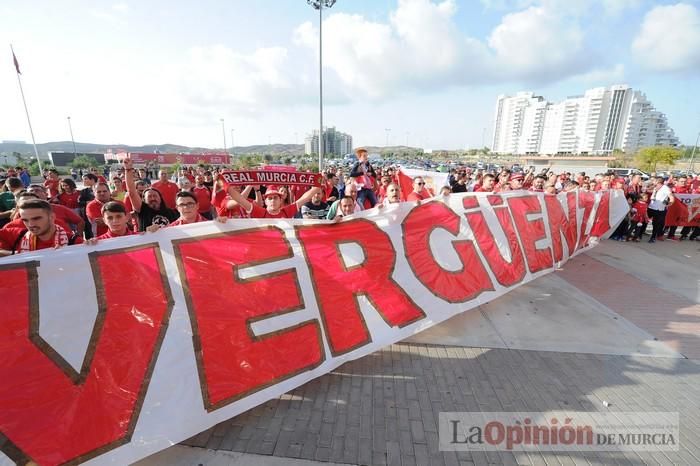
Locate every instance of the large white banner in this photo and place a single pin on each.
(116, 351)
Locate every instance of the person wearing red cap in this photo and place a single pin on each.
(516, 181)
(619, 183)
(273, 203)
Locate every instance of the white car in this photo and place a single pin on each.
(630, 172)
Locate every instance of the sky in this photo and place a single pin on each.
(420, 72)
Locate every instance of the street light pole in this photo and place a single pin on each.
(70, 128)
(692, 155)
(232, 144)
(387, 130)
(223, 131)
(319, 5)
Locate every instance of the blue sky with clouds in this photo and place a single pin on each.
(428, 70)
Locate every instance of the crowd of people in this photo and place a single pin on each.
(127, 201)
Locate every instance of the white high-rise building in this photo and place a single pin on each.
(334, 142)
(598, 122)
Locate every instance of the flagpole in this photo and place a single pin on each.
(29, 122)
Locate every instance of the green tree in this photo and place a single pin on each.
(83, 161)
(648, 157)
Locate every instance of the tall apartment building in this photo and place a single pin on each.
(598, 122)
(334, 142)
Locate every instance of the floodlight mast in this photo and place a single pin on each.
(320, 5)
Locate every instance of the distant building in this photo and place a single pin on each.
(334, 142)
(63, 159)
(596, 123)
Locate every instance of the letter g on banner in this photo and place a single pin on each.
(50, 413)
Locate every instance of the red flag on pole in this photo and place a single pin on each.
(14, 59)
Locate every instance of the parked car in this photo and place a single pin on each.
(629, 172)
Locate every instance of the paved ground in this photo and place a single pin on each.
(636, 346)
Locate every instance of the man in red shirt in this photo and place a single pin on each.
(273, 203)
(63, 213)
(93, 210)
(203, 195)
(487, 183)
(40, 230)
(51, 183)
(419, 192)
(166, 188)
(516, 181)
(115, 217)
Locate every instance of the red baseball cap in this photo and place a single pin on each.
(272, 191)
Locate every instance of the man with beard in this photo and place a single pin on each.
(151, 210)
(40, 230)
(315, 209)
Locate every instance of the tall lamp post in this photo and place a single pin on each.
(70, 128)
(232, 144)
(320, 5)
(223, 131)
(692, 156)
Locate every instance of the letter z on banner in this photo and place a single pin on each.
(116, 351)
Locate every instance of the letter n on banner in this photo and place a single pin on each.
(338, 286)
(49, 412)
(531, 230)
(231, 360)
(452, 286)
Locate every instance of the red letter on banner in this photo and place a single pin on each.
(338, 286)
(560, 223)
(455, 287)
(531, 231)
(601, 224)
(507, 273)
(231, 360)
(53, 414)
(586, 200)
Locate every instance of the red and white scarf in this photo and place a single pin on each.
(29, 240)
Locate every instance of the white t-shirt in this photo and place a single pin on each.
(656, 202)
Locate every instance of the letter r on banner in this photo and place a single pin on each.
(231, 360)
(338, 286)
(47, 408)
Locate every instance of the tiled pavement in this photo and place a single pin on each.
(671, 318)
(383, 408)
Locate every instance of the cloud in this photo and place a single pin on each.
(536, 43)
(669, 39)
(603, 76)
(420, 48)
(120, 7)
(219, 79)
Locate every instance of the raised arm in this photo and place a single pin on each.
(242, 200)
(131, 190)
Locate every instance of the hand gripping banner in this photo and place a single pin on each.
(116, 351)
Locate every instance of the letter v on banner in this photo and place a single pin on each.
(39, 387)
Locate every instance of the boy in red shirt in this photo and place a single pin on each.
(640, 219)
(116, 219)
(203, 195)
